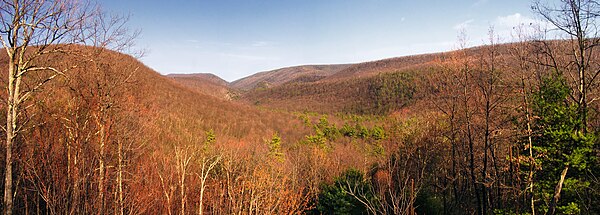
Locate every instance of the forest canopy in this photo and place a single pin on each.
(495, 129)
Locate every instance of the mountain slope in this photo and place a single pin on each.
(367, 69)
(205, 83)
(166, 108)
(375, 87)
(111, 125)
(208, 77)
(273, 78)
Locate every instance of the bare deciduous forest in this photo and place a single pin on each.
(504, 128)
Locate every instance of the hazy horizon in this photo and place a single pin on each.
(234, 39)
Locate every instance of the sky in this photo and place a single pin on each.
(237, 38)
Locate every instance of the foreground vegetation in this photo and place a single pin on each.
(502, 129)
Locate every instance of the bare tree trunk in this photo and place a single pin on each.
(454, 152)
(205, 172)
(182, 193)
(530, 145)
(168, 193)
(201, 201)
(101, 170)
(470, 141)
(454, 171)
(486, 145)
(557, 190)
(583, 102)
(8, 168)
(411, 206)
(11, 122)
(183, 158)
(69, 205)
(120, 177)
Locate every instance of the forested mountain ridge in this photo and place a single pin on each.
(307, 73)
(376, 87)
(408, 112)
(114, 110)
(204, 76)
(490, 105)
(205, 83)
(496, 129)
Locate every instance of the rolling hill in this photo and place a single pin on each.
(186, 105)
(205, 83)
(113, 121)
(208, 77)
(376, 87)
(273, 78)
(372, 68)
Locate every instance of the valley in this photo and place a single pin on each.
(498, 128)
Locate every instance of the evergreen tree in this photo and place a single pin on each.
(275, 147)
(563, 153)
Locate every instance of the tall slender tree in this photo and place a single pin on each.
(30, 30)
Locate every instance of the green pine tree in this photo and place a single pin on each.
(561, 148)
(275, 147)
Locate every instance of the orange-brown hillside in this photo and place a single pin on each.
(205, 83)
(110, 116)
(174, 109)
(372, 87)
(208, 77)
(111, 126)
(367, 69)
(300, 74)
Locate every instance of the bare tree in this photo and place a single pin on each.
(30, 29)
(166, 177)
(183, 157)
(33, 29)
(206, 164)
(468, 109)
(576, 20)
(523, 54)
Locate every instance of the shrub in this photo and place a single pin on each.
(362, 131)
(348, 131)
(336, 198)
(275, 147)
(378, 133)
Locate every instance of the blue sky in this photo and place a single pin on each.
(237, 38)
